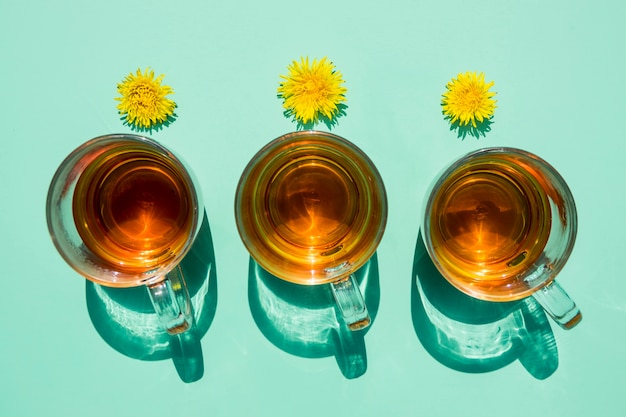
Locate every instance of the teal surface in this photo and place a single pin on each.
(558, 70)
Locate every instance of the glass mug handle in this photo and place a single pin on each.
(171, 301)
(350, 302)
(558, 305)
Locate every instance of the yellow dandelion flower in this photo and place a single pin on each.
(312, 91)
(468, 99)
(143, 100)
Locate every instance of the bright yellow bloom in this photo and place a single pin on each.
(311, 92)
(468, 99)
(143, 100)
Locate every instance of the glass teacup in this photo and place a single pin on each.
(123, 211)
(311, 209)
(499, 224)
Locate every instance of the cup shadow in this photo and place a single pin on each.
(125, 317)
(303, 320)
(474, 336)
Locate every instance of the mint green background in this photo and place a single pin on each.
(558, 69)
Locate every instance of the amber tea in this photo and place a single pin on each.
(133, 209)
(311, 208)
(489, 221)
(309, 202)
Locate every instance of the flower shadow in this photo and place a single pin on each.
(154, 128)
(462, 131)
(329, 122)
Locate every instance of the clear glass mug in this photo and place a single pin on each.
(311, 209)
(123, 211)
(500, 224)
